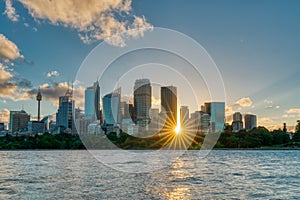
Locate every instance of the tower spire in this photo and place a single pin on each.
(39, 99)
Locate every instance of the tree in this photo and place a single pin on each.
(280, 137)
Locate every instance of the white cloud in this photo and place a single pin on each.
(268, 101)
(265, 120)
(52, 74)
(293, 111)
(8, 49)
(243, 102)
(228, 111)
(10, 11)
(277, 107)
(5, 74)
(4, 115)
(11, 88)
(93, 19)
(53, 92)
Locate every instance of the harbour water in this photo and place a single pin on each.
(220, 175)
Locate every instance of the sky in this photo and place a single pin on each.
(255, 45)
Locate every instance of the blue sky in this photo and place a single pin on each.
(255, 45)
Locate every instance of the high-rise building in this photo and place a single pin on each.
(142, 102)
(2, 126)
(184, 115)
(131, 112)
(125, 113)
(111, 107)
(92, 102)
(216, 111)
(195, 121)
(250, 121)
(18, 121)
(237, 123)
(64, 115)
(199, 122)
(168, 97)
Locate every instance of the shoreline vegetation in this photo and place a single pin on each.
(256, 139)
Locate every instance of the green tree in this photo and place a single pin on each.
(280, 137)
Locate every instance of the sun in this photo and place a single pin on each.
(177, 129)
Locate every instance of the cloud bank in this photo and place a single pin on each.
(8, 49)
(244, 102)
(93, 19)
(52, 92)
(10, 11)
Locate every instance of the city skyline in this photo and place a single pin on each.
(114, 107)
(257, 52)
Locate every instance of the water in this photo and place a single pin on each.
(221, 175)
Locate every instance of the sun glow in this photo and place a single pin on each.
(177, 129)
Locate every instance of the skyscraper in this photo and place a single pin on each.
(250, 121)
(216, 111)
(237, 123)
(142, 102)
(111, 107)
(18, 120)
(199, 122)
(92, 102)
(184, 115)
(64, 115)
(168, 97)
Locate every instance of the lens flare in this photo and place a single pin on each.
(177, 129)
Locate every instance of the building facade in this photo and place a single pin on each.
(142, 102)
(35, 127)
(250, 121)
(111, 108)
(237, 123)
(18, 121)
(216, 111)
(184, 115)
(64, 115)
(168, 97)
(92, 102)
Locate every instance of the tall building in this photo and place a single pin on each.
(111, 107)
(142, 102)
(18, 121)
(2, 126)
(131, 112)
(125, 110)
(195, 121)
(250, 121)
(237, 123)
(216, 111)
(168, 97)
(199, 122)
(92, 102)
(64, 115)
(184, 115)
